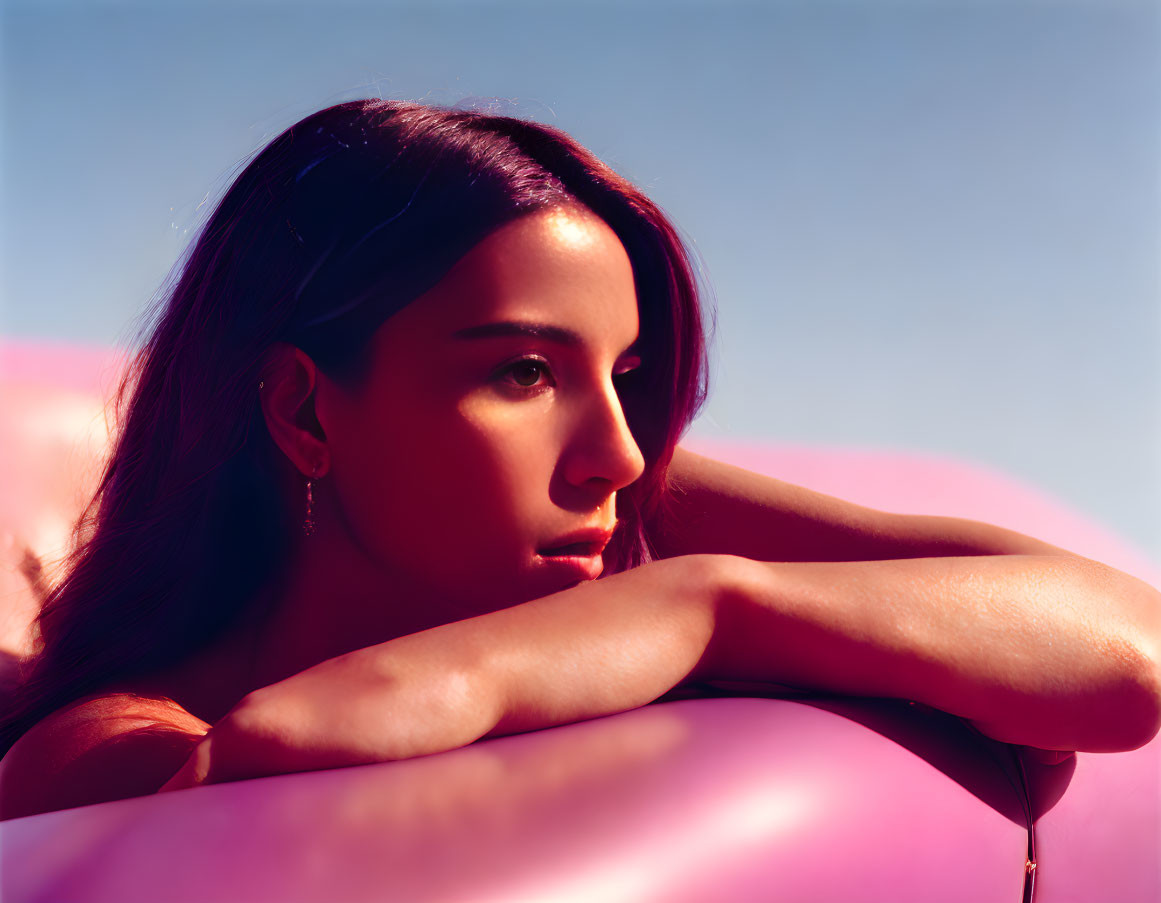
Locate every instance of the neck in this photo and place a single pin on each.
(334, 601)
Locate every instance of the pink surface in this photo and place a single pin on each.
(723, 799)
(89, 369)
(734, 799)
(1102, 840)
(54, 428)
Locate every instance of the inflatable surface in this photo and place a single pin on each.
(696, 800)
(740, 798)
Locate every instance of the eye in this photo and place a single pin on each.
(526, 373)
(628, 366)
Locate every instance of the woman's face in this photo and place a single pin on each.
(489, 427)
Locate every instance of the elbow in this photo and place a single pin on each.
(1147, 657)
(1130, 713)
(1148, 721)
(1135, 714)
(1119, 713)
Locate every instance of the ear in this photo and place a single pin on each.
(287, 393)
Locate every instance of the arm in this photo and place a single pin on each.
(1051, 652)
(719, 508)
(945, 632)
(1026, 609)
(601, 647)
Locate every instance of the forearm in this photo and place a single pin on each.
(1052, 652)
(603, 647)
(598, 648)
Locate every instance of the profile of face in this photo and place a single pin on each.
(489, 429)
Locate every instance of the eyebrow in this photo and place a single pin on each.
(558, 334)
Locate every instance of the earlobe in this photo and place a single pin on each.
(287, 391)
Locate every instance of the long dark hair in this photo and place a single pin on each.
(335, 225)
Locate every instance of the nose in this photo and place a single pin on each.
(602, 451)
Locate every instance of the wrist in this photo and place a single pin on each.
(601, 647)
(726, 583)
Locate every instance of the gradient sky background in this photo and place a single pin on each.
(931, 226)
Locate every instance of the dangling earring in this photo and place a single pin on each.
(308, 523)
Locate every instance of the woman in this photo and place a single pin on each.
(419, 384)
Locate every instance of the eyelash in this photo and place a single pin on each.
(506, 371)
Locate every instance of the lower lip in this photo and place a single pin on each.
(584, 567)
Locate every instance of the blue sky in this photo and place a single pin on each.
(930, 226)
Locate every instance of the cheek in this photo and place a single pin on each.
(471, 480)
(498, 471)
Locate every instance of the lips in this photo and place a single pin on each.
(582, 549)
(582, 544)
(575, 558)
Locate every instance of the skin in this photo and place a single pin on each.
(388, 646)
(441, 478)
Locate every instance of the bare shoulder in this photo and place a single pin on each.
(97, 749)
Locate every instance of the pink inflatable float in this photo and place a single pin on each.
(745, 797)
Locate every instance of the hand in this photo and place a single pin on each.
(392, 701)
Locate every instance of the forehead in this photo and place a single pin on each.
(562, 267)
